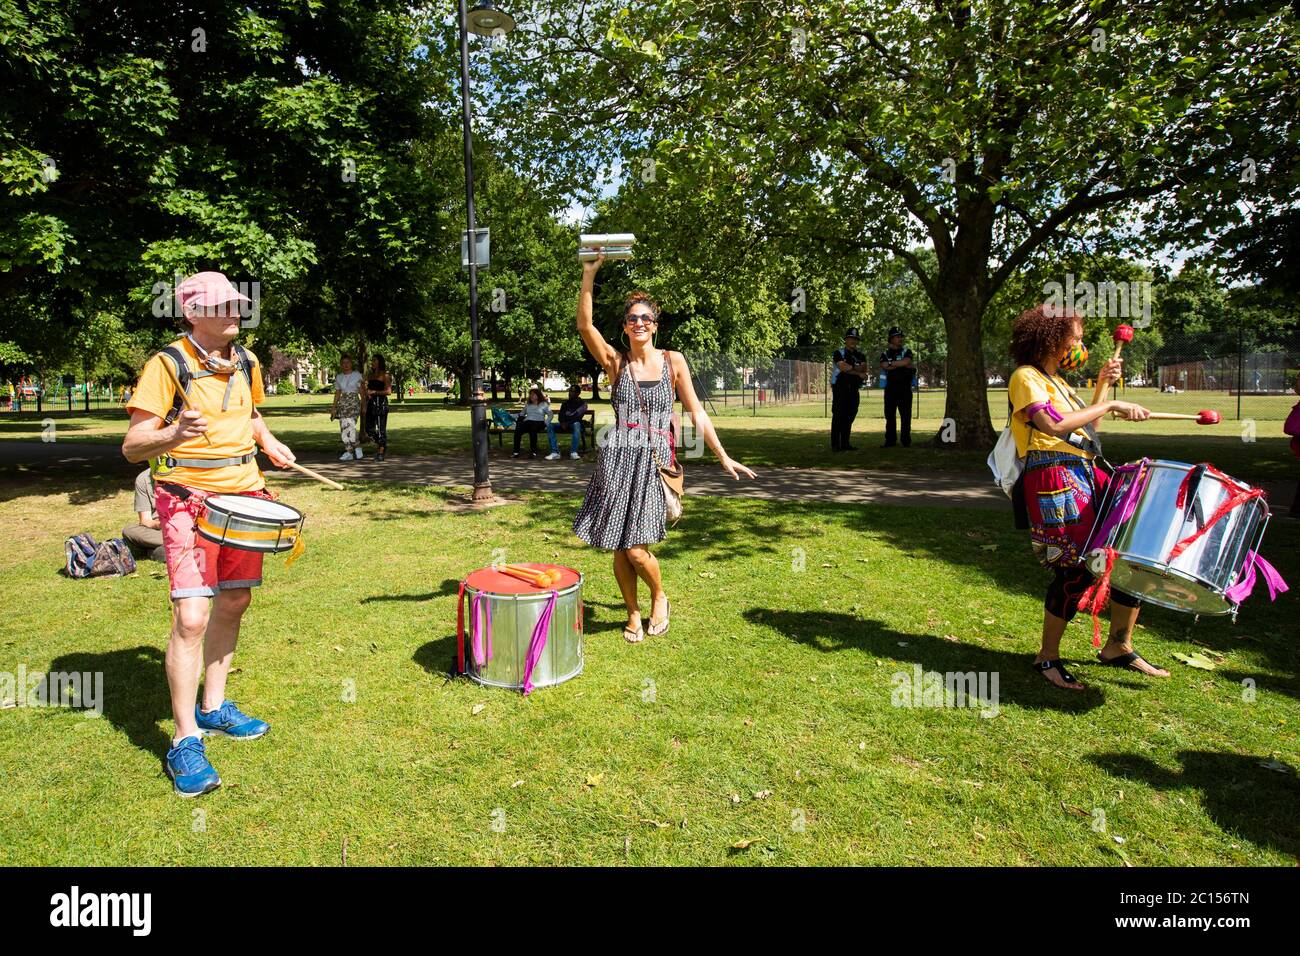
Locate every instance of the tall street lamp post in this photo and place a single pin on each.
(485, 20)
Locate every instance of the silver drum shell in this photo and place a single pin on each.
(513, 617)
(1196, 580)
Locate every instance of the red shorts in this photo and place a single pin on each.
(197, 567)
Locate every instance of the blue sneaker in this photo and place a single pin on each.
(187, 765)
(229, 721)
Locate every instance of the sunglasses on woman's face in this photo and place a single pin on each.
(640, 319)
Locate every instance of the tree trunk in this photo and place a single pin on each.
(966, 412)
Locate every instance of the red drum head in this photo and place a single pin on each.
(488, 581)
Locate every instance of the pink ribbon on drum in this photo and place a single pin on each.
(480, 628)
(1241, 590)
(538, 643)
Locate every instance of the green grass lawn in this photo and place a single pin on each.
(790, 436)
(764, 715)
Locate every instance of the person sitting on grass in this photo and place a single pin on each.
(145, 536)
(572, 411)
(536, 416)
(1056, 436)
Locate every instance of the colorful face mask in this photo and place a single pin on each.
(1074, 358)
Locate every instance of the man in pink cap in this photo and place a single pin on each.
(209, 447)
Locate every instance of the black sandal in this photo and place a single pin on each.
(1127, 661)
(1043, 667)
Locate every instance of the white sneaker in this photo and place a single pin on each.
(574, 455)
(360, 454)
(346, 456)
(553, 456)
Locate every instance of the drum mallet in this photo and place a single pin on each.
(1122, 334)
(615, 245)
(1206, 416)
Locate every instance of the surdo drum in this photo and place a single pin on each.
(1181, 535)
(511, 633)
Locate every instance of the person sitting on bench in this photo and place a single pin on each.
(145, 536)
(572, 411)
(533, 422)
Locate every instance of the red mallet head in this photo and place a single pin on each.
(1208, 416)
(1123, 333)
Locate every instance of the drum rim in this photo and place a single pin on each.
(1170, 571)
(263, 519)
(542, 594)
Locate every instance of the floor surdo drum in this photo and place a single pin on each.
(1181, 535)
(249, 523)
(520, 636)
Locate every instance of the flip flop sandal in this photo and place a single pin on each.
(1043, 667)
(1127, 661)
(662, 627)
(637, 636)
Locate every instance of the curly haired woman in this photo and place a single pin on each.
(1056, 436)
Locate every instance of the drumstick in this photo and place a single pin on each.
(516, 573)
(1206, 416)
(319, 477)
(1122, 334)
(542, 578)
(185, 399)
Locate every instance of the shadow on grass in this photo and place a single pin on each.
(1017, 683)
(135, 692)
(438, 657)
(1240, 796)
(448, 588)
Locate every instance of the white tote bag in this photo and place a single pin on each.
(1004, 462)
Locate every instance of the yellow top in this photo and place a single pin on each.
(231, 431)
(1029, 388)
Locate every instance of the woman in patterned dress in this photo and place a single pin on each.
(624, 509)
(1055, 434)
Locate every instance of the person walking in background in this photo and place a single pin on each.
(896, 363)
(347, 409)
(534, 420)
(145, 536)
(572, 412)
(378, 387)
(846, 381)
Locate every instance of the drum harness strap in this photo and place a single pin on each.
(185, 375)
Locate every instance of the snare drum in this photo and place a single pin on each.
(520, 636)
(1143, 522)
(250, 524)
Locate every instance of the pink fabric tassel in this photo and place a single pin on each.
(1243, 588)
(538, 643)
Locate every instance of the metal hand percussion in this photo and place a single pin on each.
(520, 636)
(617, 245)
(1143, 522)
(250, 524)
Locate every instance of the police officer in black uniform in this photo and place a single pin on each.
(896, 362)
(846, 380)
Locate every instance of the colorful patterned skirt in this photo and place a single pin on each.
(1061, 491)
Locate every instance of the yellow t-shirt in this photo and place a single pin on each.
(1030, 388)
(231, 431)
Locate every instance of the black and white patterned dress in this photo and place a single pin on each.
(624, 505)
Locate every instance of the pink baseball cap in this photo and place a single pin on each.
(207, 289)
